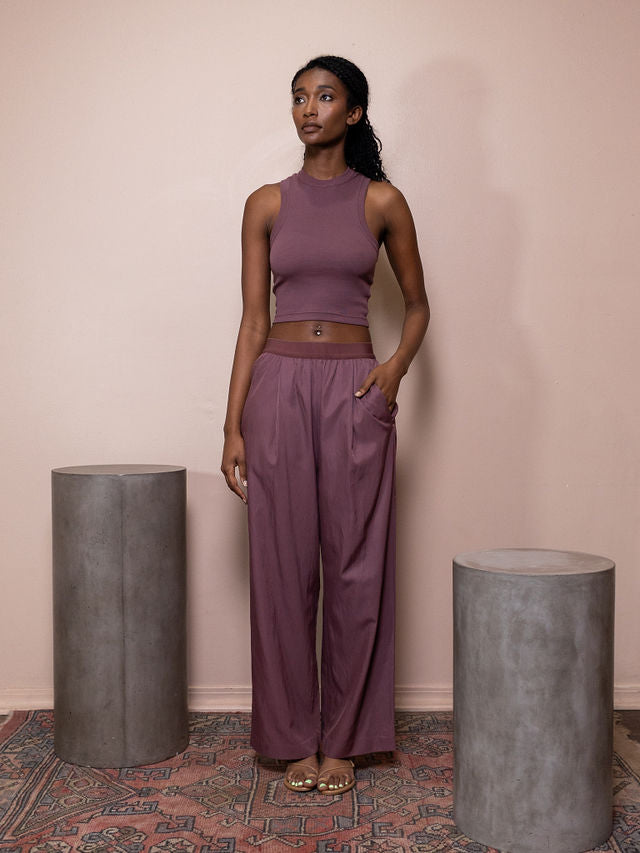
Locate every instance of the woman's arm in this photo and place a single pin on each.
(259, 213)
(399, 237)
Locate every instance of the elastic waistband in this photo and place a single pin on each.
(320, 349)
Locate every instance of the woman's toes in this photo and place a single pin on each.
(334, 778)
(302, 774)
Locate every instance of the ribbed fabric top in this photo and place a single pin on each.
(323, 254)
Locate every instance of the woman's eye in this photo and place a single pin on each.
(298, 99)
(326, 95)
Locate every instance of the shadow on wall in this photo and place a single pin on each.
(216, 589)
(469, 417)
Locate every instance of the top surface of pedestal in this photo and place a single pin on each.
(118, 470)
(534, 561)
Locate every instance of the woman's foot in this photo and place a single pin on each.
(336, 775)
(302, 775)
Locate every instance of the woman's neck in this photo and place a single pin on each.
(325, 165)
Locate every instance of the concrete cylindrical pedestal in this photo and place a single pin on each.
(533, 699)
(119, 590)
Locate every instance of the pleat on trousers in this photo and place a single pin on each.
(321, 479)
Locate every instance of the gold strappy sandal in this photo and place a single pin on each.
(325, 788)
(301, 787)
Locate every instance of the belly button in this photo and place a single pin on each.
(318, 330)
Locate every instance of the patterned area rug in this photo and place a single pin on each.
(219, 797)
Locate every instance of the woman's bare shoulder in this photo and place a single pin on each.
(385, 194)
(264, 203)
(265, 195)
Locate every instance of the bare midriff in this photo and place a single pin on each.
(319, 330)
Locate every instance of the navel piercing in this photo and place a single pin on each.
(318, 330)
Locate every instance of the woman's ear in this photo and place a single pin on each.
(354, 115)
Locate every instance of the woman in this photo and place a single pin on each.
(310, 426)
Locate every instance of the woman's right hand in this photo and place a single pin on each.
(232, 456)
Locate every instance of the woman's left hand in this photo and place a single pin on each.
(387, 377)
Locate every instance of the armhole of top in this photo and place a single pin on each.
(362, 194)
(282, 213)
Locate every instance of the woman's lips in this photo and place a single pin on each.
(309, 127)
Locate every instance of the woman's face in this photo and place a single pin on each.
(319, 108)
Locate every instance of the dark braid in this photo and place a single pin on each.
(362, 147)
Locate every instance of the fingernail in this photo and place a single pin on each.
(244, 482)
(358, 393)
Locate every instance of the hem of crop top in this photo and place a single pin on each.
(340, 179)
(320, 315)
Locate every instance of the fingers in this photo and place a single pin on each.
(368, 382)
(240, 493)
(389, 405)
(230, 477)
(242, 470)
(365, 387)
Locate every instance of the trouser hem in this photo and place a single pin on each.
(285, 752)
(358, 748)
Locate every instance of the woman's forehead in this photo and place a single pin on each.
(317, 77)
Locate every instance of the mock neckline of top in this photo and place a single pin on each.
(347, 175)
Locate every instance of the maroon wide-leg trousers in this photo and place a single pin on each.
(320, 478)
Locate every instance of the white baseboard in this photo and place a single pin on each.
(25, 698)
(408, 698)
(415, 697)
(238, 698)
(626, 697)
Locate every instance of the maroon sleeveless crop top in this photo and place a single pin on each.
(323, 254)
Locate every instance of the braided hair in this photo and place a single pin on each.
(362, 147)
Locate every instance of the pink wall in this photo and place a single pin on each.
(132, 133)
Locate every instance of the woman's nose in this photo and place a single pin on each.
(310, 109)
